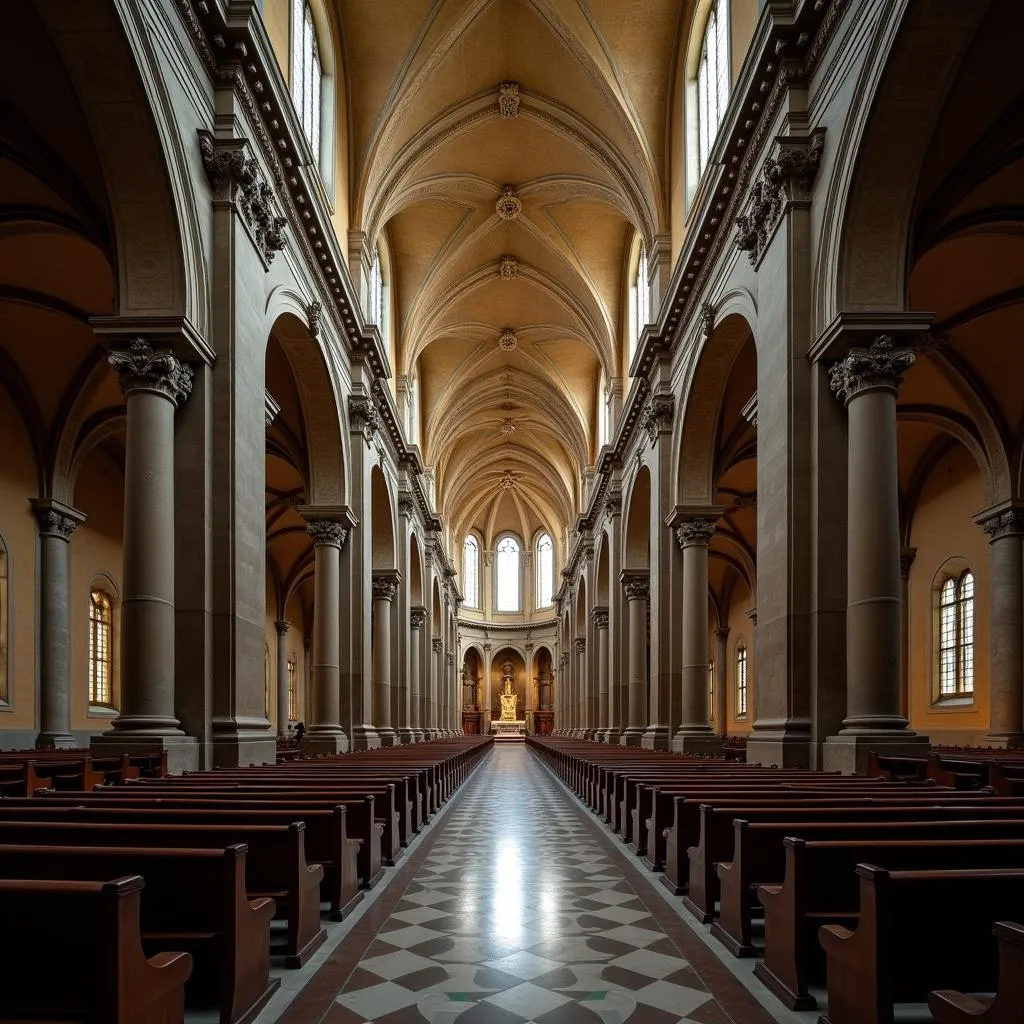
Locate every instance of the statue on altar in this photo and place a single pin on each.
(508, 698)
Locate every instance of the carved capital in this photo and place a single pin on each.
(508, 100)
(637, 585)
(140, 367)
(450, 657)
(907, 556)
(1008, 522)
(695, 531)
(600, 617)
(282, 627)
(55, 519)
(658, 415)
(613, 503)
(326, 531)
(785, 177)
(579, 645)
(721, 634)
(436, 645)
(385, 587)
(881, 365)
(417, 617)
(363, 415)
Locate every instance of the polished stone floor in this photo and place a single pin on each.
(517, 909)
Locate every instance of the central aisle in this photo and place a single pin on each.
(516, 909)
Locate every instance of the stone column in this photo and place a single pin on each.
(57, 522)
(154, 384)
(307, 678)
(906, 561)
(600, 616)
(436, 675)
(325, 735)
(384, 587)
(282, 628)
(694, 734)
(449, 718)
(867, 381)
(721, 681)
(637, 587)
(1005, 528)
(562, 694)
(582, 721)
(417, 618)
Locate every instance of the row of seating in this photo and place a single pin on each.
(23, 772)
(211, 876)
(958, 767)
(885, 891)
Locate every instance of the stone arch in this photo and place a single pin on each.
(602, 578)
(581, 608)
(382, 521)
(637, 537)
(435, 610)
(415, 571)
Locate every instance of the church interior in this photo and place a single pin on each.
(511, 511)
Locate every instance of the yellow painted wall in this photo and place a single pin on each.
(943, 528)
(295, 643)
(740, 628)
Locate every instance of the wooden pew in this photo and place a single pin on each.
(820, 886)
(1007, 1006)
(275, 866)
(76, 956)
(227, 936)
(944, 917)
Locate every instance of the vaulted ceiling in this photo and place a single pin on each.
(509, 218)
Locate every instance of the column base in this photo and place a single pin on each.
(703, 742)
(656, 737)
(1005, 740)
(364, 737)
(418, 735)
(631, 736)
(405, 736)
(612, 736)
(318, 744)
(56, 740)
(848, 752)
(182, 751)
(781, 743)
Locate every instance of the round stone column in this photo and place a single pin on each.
(282, 628)
(694, 733)
(325, 734)
(600, 616)
(1006, 723)
(154, 383)
(721, 677)
(57, 522)
(384, 588)
(638, 590)
(417, 617)
(867, 382)
(582, 719)
(436, 674)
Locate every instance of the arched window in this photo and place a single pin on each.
(293, 709)
(741, 679)
(307, 73)
(5, 611)
(713, 80)
(711, 690)
(471, 572)
(956, 636)
(545, 571)
(508, 575)
(641, 302)
(376, 296)
(266, 679)
(101, 661)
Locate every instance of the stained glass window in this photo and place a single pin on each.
(741, 680)
(956, 636)
(100, 643)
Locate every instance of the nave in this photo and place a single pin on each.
(514, 908)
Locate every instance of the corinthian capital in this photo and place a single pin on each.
(881, 365)
(580, 644)
(327, 531)
(140, 367)
(695, 531)
(637, 585)
(385, 587)
(417, 617)
(600, 617)
(1005, 522)
(436, 645)
(56, 519)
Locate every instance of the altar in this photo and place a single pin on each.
(509, 726)
(508, 730)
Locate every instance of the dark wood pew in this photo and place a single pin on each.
(275, 865)
(820, 886)
(1007, 1006)
(76, 956)
(717, 834)
(944, 917)
(227, 935)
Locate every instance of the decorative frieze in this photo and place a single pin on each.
(235, 177)
(509, 205)
(326, 532)
(140, 367)
(508, 100)
(881, 365)
(784, 178)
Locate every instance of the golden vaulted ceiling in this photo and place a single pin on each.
(508, 214)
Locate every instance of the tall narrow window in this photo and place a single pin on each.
(307, 73)
(293, 708)
(266, 680)
(376, 312)
(101, 690)
(5, 609)
(545, 571)
(741, 680)
(641, 302)
(713, 80)
(471, 571)
(956, 636)
(508, 575)
(711, 690)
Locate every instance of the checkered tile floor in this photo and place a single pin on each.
(517, 915)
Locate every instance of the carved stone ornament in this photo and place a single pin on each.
(141, 368)
(55, 523)
(327, 531)
(695, 531)
(881, 365)
(508, 100)
(236, 177)
(363, 415)
(508, 481)
(508, 340)
(600, 616)
(507, 426)
(580, 644)
(707, 319)
(451, 658)
(436, 645)
(1007, 523)
(786, 177)
(417, 620)
(508, 268)
(613, 503)
(907, 556)
(316, 311)
(384, 588)
(509, 205)
(658, 415)
(637, 588)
